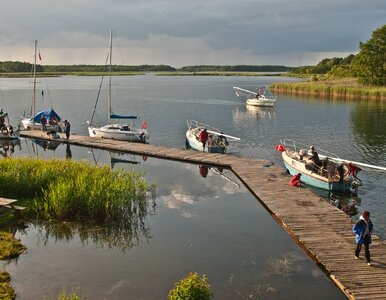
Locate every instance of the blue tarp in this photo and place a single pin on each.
(49, 114)
(122, 117)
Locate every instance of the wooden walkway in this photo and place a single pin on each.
(321, 229)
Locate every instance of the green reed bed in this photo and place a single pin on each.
(341, 88)
(73, 190)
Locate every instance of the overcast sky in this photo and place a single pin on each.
(187, 32)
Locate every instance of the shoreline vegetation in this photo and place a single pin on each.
(72, 193)
(345, 88)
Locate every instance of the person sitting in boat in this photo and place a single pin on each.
(315, 157)
(257, 96)
(126, 127)
(223, 140)
(204, 136)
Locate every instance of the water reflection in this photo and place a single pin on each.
(368, 121)
(7, 147)
(348, 201)
(250, 113)
(46, 145)
(68, 152)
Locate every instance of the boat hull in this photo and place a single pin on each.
(312, 179)
(261, 101)
(192, 141)
(29, 124)
(133, 135)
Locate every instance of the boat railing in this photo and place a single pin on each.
(194, 123)
(297, 146)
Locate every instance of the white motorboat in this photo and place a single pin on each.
(329, 173)
(217, 142)
(261, 98)
(124, 132)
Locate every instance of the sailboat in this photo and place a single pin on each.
(218, 142)
(123, 132)
(262, 98)
(34, 120)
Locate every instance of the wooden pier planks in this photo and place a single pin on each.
(321, 229)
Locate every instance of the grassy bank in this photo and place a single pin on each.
(342, 88)
(72, 190)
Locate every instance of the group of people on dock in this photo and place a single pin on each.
(54, 121)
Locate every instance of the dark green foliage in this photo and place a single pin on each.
(191, 287)
(237, 68)
(18, 67)
(327, 65)
(370, 64)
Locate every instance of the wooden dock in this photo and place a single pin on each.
(322, 230)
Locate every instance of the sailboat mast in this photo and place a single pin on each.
(34, 81)
(110, 60)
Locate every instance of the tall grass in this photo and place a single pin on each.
(345, 88)
(74, 190)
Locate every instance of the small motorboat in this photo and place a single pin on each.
(217, 141)
(262, 97)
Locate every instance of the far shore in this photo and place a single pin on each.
(347, 88)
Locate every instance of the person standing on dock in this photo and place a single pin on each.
(67, 128)
(363, 229)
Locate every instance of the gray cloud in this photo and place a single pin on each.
(191, 32)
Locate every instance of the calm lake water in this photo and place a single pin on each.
(209, 225)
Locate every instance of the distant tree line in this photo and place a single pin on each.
(18, 67)
(114, 68)
(369, 65)
(10, 67)
(237, 68)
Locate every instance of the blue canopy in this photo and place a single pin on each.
(49, 114)
(122, 117)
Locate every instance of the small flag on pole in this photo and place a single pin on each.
(40, 57)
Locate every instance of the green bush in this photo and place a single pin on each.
(191, 287)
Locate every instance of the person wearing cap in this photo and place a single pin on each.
(363, 229)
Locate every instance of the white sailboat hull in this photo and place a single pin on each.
(192, 140)
(118, 132)
(28, 124)
(261, 101)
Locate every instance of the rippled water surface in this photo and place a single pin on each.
(208, 225)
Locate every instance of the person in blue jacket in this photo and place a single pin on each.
(363, 229)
